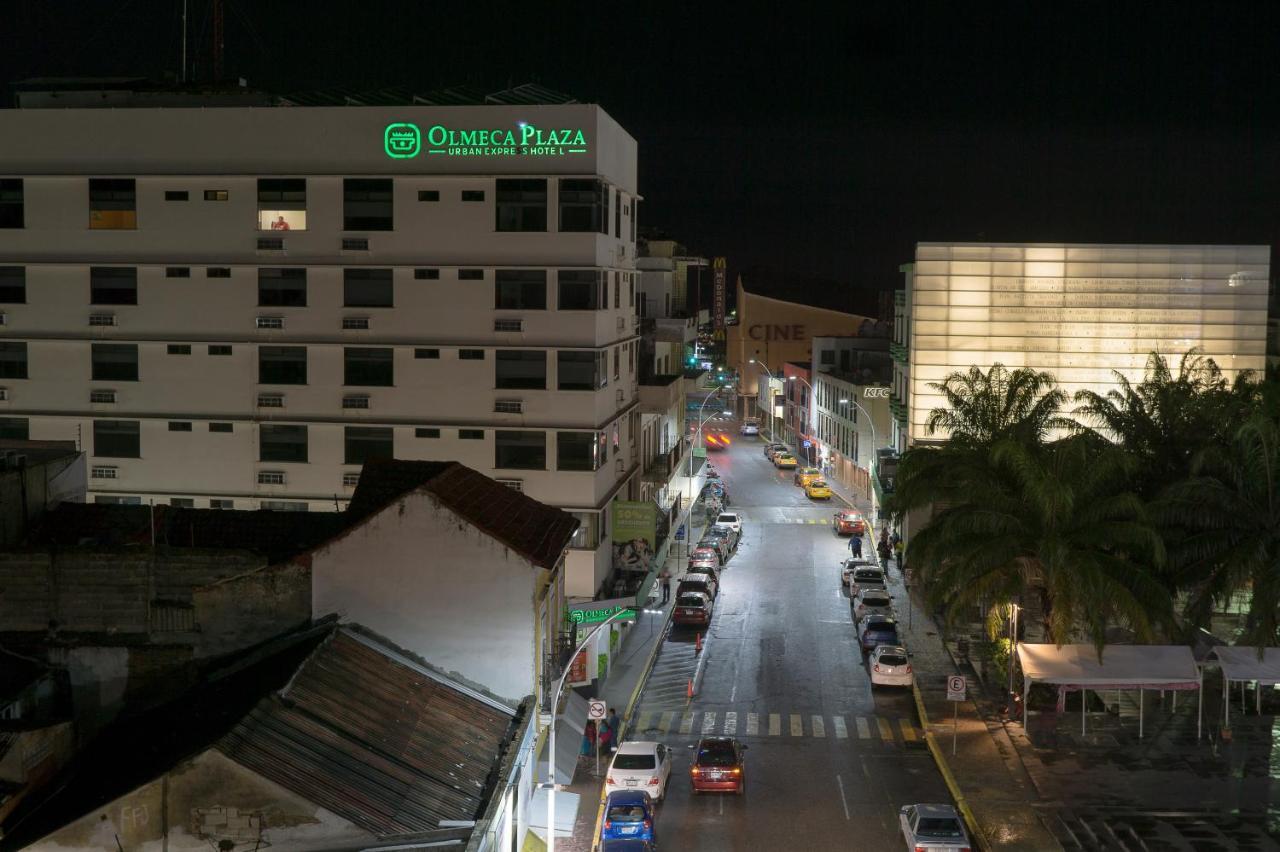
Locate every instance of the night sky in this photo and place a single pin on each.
(812, 149)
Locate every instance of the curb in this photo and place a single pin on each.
(979, 840)
(626, 714)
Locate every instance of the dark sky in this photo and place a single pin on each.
(806, 145)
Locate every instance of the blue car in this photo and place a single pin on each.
(628, 815)
(877, 630)
(627, 846)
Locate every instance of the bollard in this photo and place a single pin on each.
(697, 643)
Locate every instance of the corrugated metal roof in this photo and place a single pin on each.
(375, 741)
(526, 93)
(535, 530)
(529, 93)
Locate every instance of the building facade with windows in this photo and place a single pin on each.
(236, 308)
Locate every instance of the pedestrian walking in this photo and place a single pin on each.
(605, 738)
(665, 576)
(855, 545)
(898, 549)
(614, 728)
(884, 550)
(588, 739)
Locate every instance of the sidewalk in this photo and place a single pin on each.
(985, 775)
(620, 691)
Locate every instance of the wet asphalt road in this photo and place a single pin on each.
(829, 761)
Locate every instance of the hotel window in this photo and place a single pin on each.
(112, 204)
(278, 442)
(473, 195)
(426, 432)
(15, 429)
(471, 434)
(365, 443)
(584, 204)
(282, 288)
(470, 274)
(521, 205)
(221, 427)
(426, 353)
(282, 204)
(366, 204)
(13, 360)
(113, 285)
(216, 195)
(428, 195)
(520, 289)
(282, 365)
(520, 369)
(470, 354)
(368, 367)
(580, 370)
(13, 285)
(114, 362)
(219, 349)
(175, 195)
(519, 450)
(579, 289)
(617, 214)
(117, 439)
(11, 203)
(426, 274)
(217, 272)
(367, 288)
(577, 451)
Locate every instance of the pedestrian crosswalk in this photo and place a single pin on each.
(888, 731)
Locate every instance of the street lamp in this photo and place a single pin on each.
(1013, 644)
(551, 750)
(770, 408)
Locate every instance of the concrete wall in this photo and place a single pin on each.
(200, 803)
(25, 493)
(244, 610)
(434, 585)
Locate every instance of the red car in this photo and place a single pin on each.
(704, 557)
(720, 765)
(848, 523)
(716, 440)
(693, 609)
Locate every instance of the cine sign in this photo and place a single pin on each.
(875, 393)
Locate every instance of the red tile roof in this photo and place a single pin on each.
(536, 531)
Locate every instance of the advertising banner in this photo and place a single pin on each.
(718, 272)
(635, 530)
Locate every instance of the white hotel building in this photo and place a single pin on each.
(235, 307)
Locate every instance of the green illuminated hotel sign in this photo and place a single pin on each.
(403, 141)
(599, 611)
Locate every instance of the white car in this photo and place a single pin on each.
(864, 576)
(730, 520)
(853, 563)
(640, 765)
(750, 427)
(933, 828)
(889, 666)
(872, 600)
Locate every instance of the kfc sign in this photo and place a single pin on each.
(875, 393)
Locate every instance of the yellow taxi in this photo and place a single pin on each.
(805, 475)
(784, 460)
(818, 489)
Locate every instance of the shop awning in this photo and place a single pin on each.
(570, 724)
(1241, 663)
(1122, 666)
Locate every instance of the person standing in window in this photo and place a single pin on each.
(280, 224)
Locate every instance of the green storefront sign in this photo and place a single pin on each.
(405, 140)
(603, 612)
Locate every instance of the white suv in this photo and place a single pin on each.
(730, 520)
(640, 766)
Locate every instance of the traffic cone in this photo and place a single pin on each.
(689, 691)
(697, 643)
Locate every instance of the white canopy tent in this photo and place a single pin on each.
(1242, 664)
(1140, 667)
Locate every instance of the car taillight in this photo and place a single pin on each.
(609, 780)
(736, 770)
(695, 771)
(908, 668)
(653, 782)
(648, 823)
(876, 667)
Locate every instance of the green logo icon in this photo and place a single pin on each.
(402, 141)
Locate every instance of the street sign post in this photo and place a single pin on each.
(956, 688)
(596, 712)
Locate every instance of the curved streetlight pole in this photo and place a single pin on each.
(770, 408)
(551, 749)
(871, 465)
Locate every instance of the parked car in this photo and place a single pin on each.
(804, 475)
(877, 630)
(704, 557)
(726, 533)
(719, 764)
(704, 583)
(782, 460)
(775, 447)
(872, 600)
(639, 765)
(750, 426)
(693, 609)
(732, 520)
(848, 522)
(934, 828)
(709, 570)
(864, 576)
(889, 666)
(852, 564)
(628, 815)
(719, 545)
(818, 489)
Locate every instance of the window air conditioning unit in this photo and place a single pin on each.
(350, 480)
(508, 325)
(103, 472)
(271, 400)
(509, 406)
(271, 477)
(355, 323)
(102, 319)
(270, 322)
(356, 401)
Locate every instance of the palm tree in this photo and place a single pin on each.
(1229, 511)
(1059, 519)
(1167, 418)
